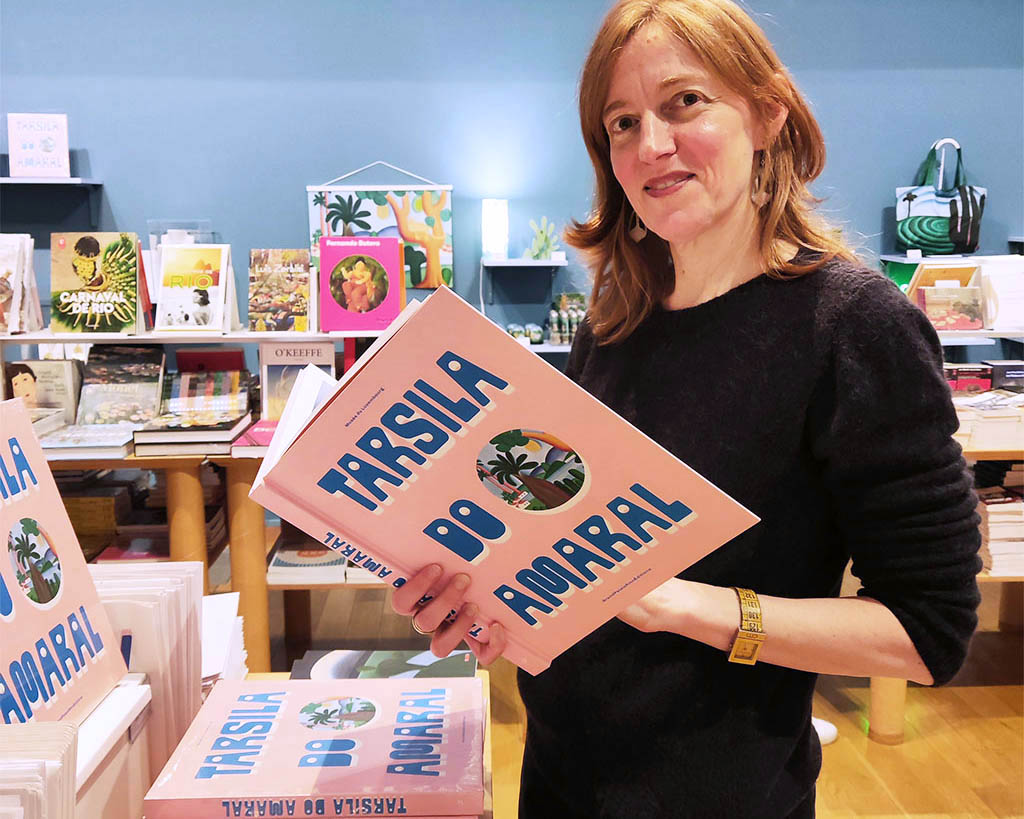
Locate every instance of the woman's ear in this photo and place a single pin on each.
(775, 114)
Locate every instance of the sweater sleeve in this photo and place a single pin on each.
(902, 496)
(581, 345)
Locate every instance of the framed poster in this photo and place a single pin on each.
(420, 215)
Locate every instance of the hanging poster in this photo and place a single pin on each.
(420, 215)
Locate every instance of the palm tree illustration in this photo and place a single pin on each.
(24, 549)
(348, 213)
(325, 717)
(507, 467)
(320, 200)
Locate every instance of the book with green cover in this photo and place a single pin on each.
(94, 283)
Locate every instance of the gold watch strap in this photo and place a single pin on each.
(746, 646)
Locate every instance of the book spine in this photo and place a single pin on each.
(422, 805)
(288, 507)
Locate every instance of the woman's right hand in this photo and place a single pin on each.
(433, 616)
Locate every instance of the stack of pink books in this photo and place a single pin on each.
(394, 747)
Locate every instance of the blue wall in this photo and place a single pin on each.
(228, 110)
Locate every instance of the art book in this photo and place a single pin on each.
(329, 748)
(279, 290)
(53, 384)
(406, 663)
(225, 391)
(58, 656)
(362, 285)
(20, 310)
(38, 145)
(94, 283)
(466, 449)
(281, 363)
(197, 290)
(121, 385)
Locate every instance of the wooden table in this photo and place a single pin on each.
(186, 518)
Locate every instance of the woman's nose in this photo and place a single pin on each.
(655, 138)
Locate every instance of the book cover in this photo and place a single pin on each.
(38, 145)
(53, 384)
(407, 663)
(209, 359)
(224, 391)
(278, 290)
(121, 385)
(305, 561)
(94, 282)
(468, 450)
(329, 748)
(88, 441)
(58, 657)
(362, 284)
(194, 281)
(281, 363)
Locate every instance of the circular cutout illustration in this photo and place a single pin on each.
(35, 562)
(338, 715)
(359, 283)
(531, 470)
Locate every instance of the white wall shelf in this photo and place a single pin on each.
(525, 262)
(239, 336)
(966, 338)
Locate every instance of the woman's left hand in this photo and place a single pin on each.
(658, 610)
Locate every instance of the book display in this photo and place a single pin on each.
(20, 311)
(94, 279)
(121, 385)
(197, 289)
(362, 285)
(59, 656)
(344, 747)
(544, 512)
(38, 762)
(278, 290)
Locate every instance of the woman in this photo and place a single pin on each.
(735, 328)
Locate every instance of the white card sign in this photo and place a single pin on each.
(38, 145)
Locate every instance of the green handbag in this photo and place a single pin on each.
(938, 220)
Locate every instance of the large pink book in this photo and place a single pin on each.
(58, 655)
(450, 442)
(392, 747)
(362, 282)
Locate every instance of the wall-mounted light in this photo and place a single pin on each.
(494, 228)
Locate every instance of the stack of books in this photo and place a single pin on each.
(20, 311)
(155, 610)
(345, 664)
(332, 748)
(297, 559)
(37, 771)
(1002, 531)
(201, 414)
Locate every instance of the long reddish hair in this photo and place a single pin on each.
(631, 278)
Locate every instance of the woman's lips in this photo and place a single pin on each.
(666, 185)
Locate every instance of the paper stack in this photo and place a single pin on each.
(37, 770)
(20, 309)
(1002, 532)
(155, 610)
(223, 646)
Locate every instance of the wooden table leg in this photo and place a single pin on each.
(1011, 607)
(248, 549)
(888, 698)
(298, 622)
(186, 515)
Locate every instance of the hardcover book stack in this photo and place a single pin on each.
(466, 450)
(297, 559)
(201, 413)
(335, 748)
(155, 611)
(1002, 529)
(37, 770)
(20, 311)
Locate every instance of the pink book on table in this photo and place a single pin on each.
(58, 655)
(394, 747)
(362, 282)
(450, 442)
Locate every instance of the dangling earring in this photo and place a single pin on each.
(637, 231)
(758, 196)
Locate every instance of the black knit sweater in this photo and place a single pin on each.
(819, 403)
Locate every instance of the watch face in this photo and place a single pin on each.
(745, 648)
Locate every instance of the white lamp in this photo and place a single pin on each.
(494, 228)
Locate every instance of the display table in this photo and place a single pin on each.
(485, 680)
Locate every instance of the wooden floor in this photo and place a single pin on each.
(964, 749)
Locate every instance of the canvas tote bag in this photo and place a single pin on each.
(939, 220)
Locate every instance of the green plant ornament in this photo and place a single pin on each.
(545, 239)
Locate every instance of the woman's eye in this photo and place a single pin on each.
(620, 125)
(689, 98)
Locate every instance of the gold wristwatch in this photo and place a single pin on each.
(746, 646)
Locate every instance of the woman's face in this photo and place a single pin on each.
(682, 143)
(23, 385)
